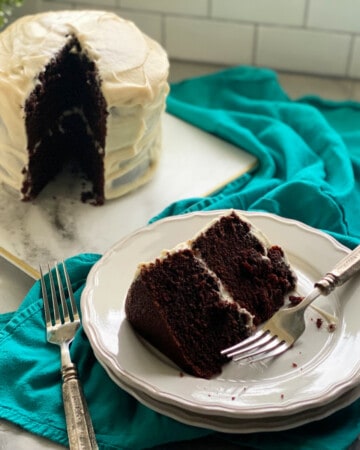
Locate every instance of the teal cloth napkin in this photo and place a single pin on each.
(308, 149)
(309, 161)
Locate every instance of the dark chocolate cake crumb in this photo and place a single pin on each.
(295, 300)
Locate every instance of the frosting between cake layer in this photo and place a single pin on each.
(133, 70)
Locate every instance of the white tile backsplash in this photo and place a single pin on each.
(303, 50)
(45, 5)
(338, 15)
(209, 40)
(96, 3)
(189, 7)
(151, 24)
(300, 36)
(354, 69)
(281, 12)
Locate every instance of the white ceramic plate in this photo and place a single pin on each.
(321, 366)
(242, 425)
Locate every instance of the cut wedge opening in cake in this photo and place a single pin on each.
(66, 123)
(209, 293)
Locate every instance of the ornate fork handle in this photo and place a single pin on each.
(62, 322)
(342, 271)
(79, 426)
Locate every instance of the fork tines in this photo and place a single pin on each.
(261, 345)
(59, 316)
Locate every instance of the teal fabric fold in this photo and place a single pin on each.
(308, 149)
(309, 169)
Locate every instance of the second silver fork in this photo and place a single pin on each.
(62, 322)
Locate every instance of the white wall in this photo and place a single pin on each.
(304, 36)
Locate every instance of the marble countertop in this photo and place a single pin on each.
(58, 225)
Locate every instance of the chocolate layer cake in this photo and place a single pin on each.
(80, 87)
(209, 293)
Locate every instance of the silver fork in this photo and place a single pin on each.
(280, 332)
(61, 326)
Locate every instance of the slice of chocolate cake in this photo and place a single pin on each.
(208, 293)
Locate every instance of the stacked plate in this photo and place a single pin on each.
(318, 376)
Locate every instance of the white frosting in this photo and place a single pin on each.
(133, 70)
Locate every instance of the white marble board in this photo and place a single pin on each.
(58, 225)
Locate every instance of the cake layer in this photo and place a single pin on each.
(176, 304)
(254, 272)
